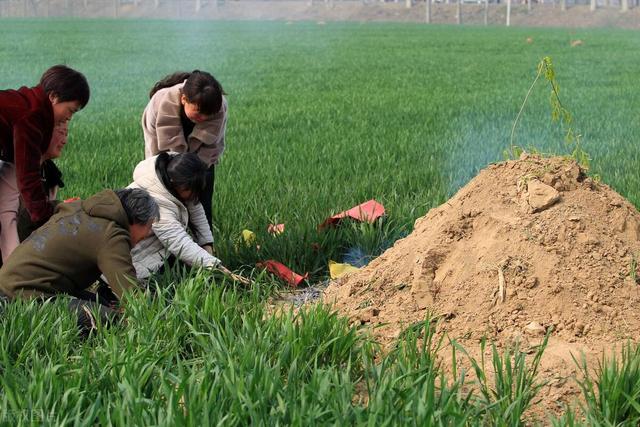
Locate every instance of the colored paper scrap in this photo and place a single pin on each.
(72, 199)
(337, 269)
(284, 273)
(249, 237)
(275, 229)
(366, 212)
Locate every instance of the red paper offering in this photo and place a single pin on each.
(284, 273)
(275, 229)
(365, 212)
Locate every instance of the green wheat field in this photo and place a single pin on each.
(322, 117)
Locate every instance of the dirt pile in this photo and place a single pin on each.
(527, 246)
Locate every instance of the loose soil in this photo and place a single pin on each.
(528, 246)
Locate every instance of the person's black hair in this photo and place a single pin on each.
(184, 171)
(139, 206)
(200, 88)
(66, 84)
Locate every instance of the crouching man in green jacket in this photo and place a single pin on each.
(81, 241)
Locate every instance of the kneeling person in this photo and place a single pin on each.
(82, 240)
(182, 234)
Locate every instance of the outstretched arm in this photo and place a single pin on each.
(179, 243)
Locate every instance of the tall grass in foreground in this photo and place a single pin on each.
(208, 353)
(612, 393)
(409, 386)
(507, 395)
(203, 351)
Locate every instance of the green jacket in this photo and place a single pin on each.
(69, 252)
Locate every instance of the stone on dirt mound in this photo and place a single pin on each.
(541, 196)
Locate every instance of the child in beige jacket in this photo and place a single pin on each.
(187, 113)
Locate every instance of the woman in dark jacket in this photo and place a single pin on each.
(51, 178)
(27, 119)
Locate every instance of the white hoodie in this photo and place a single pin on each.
(170, 236)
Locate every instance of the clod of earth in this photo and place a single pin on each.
(541, 196)
(535, 328)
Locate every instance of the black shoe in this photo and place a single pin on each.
(87, 311)
(4, 301)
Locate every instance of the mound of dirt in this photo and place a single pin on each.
(527, 246)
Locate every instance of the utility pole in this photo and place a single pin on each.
(486, 12)
(428, 13)
(508, 13)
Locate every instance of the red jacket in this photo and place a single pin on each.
(26, 127)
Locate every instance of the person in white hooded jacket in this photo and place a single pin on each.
(187, 113)
(182, 234)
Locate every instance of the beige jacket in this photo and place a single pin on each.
(163, 130)
(170, 236)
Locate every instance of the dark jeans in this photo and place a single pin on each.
(206, 198)
(3, 299)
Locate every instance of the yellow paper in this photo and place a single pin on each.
(249, 237)
(336, 269)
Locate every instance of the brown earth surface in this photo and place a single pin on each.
(528, 246)
(542, 14)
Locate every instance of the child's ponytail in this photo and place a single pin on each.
(170, 80)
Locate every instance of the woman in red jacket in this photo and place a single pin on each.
(27, 119)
